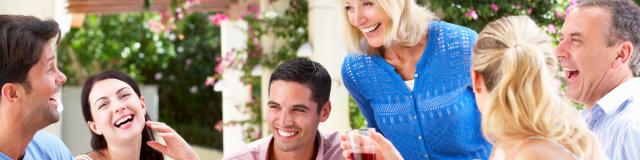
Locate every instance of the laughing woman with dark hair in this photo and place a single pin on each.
(116, 115)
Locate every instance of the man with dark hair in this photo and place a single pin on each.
(599, 54)
(29, 81)
(298, 101)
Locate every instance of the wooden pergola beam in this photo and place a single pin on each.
(123, 6)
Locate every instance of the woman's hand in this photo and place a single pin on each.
(176, 147)
(384, 149)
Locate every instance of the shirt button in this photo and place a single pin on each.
(415, 75)
(415, 117)
(419, 137)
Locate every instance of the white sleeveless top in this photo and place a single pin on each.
(498, 153)
(83, 157)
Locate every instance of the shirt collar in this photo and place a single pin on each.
(319, 155)
(612, 100)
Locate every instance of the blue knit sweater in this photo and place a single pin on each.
(439, 119)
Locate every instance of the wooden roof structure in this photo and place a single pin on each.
(229, 7)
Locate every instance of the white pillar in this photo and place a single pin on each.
(234, 95)
(43, 9)
(269, 42)
(325, 16)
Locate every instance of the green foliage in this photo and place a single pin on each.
(461, 12)
(113, 42)
(355, 117)
(177, 61)
(291, 28)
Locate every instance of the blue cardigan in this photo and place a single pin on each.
(439, 119)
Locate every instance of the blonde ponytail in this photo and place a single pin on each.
(516, 62)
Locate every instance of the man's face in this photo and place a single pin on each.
(45, 81)
(585, 57)
(293, 115)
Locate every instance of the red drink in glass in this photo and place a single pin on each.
(363, 156)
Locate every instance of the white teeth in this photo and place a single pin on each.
(569, 69)
(123, 120)
(285, 133)
(371, 28)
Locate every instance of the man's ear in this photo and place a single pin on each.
(623, 56)
(93, 128)
(476, 80)
(325, 111)
(9, 92)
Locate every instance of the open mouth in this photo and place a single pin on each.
(124, 121)
(53, 101)
(286, 134)
(372, 28)
(571, 73)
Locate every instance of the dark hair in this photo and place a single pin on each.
(624, 25)
(97, 141)
(310, 73)
(22, 39)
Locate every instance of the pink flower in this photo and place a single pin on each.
(219, 68)
(158, 76)
(219, 126)
(559, 14)
(572, 2)
(529, 10)
(210, 81)
(495, 7)
(155, 26)
(516, 6)
(218, 18)
(180, 13)
(252, 9)
(471, 13)
(249, 89)
(551, 28)
(566, 12)
(165, 16)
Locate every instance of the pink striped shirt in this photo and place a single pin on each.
(329, 149)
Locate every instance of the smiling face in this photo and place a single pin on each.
(44, 81)
(293, 115)
(585, 57)
(368, 17)
(118, 112)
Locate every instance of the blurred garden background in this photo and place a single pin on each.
(208, 60)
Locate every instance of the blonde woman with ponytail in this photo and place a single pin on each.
(522, 112)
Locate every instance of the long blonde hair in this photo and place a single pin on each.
(409, 24)
(516, 62)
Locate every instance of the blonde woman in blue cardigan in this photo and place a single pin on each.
(409, 75)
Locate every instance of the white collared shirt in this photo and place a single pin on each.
(615, 120)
